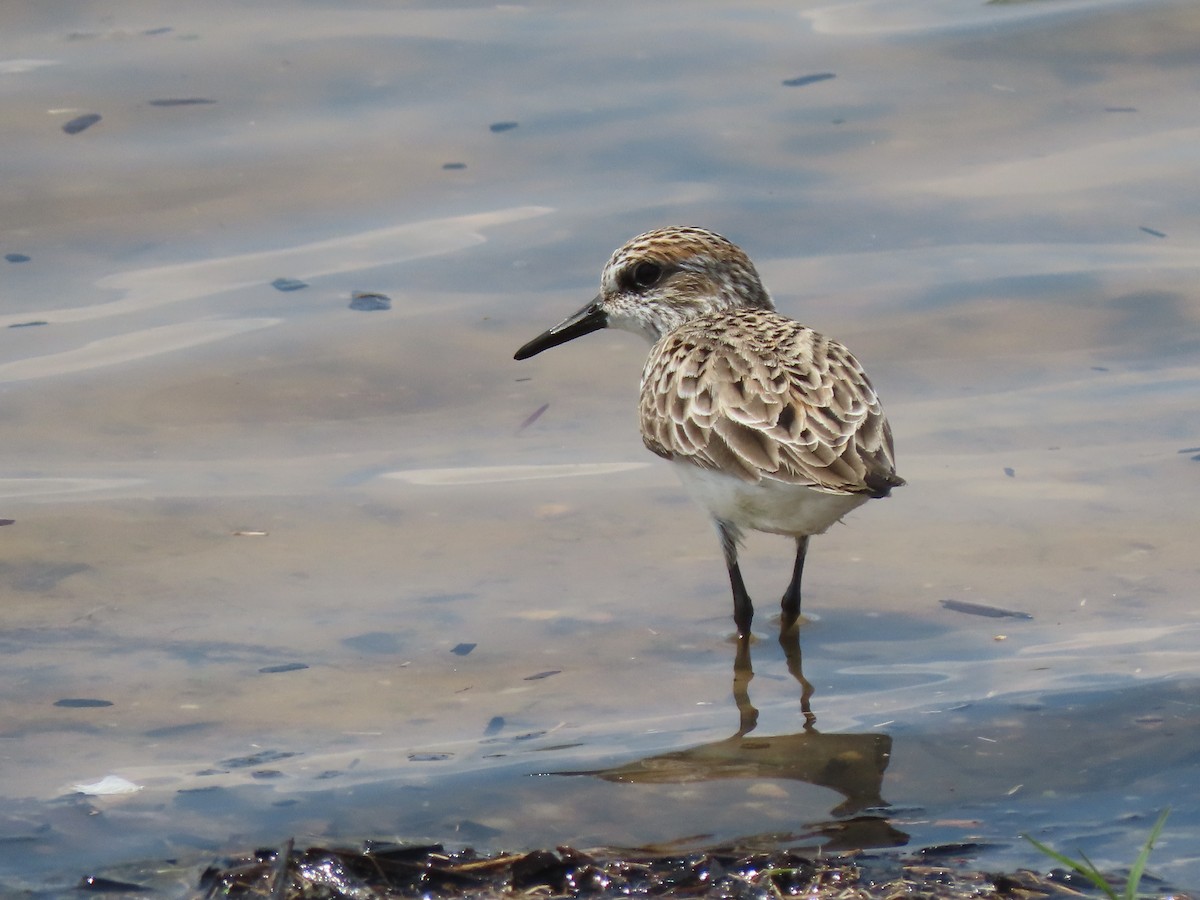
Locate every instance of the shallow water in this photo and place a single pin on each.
(333, 583)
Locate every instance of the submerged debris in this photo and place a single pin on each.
(256, 759)
(289, 284)
(532, 417)
(181, 101)
(387, 871)
(369, 301)
(801, 80)
(283, 667)
(82, 703)
(983, 609)
(79, 123)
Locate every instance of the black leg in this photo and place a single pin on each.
(791, 597)
(743, 608)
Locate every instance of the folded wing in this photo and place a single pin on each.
(757, 395)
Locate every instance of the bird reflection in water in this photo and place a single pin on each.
(853, 765)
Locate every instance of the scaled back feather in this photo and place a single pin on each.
(758, 395)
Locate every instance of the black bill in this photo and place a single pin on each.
(591, 318)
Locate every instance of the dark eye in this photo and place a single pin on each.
(646, 274)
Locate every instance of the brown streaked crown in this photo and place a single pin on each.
(663, 278)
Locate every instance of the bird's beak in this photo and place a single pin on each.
(591, 318)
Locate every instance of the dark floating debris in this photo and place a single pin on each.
(498, 127)
(17, 257)
(1152, 231)
(801, 80)
(181, 101)
(429, 757)
(454, 165)
(288, 284)
(7, 521)
(29, 324)
(400, 870)
(1120, 109)
(982, 609)
(256, 759)
(367, 301)
(966, 848)
(494, 726)
(283, 667)
(540, 675)
(155, 32)
(82, 703)
(97, 885)
(1189, 450)
(463, 649)
(1010, 471)
(80, 123)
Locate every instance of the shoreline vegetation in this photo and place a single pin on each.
(387, 871)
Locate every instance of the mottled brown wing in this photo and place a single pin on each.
(757, 395)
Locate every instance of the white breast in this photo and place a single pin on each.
(771, 506)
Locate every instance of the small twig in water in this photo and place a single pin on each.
(279, 877)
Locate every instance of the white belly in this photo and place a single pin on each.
(771, 506)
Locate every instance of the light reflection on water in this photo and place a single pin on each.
(339, 578)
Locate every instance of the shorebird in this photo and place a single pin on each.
(771, 426)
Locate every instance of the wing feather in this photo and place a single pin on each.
(758, 395)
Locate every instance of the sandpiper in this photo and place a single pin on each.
(771, 426)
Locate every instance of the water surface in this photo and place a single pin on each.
(323, 578)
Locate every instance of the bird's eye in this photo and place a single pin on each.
(646, 274)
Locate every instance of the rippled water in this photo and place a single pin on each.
(284, 568)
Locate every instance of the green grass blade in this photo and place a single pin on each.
(1087, 861)
(1088, 871)
(1139, 865)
